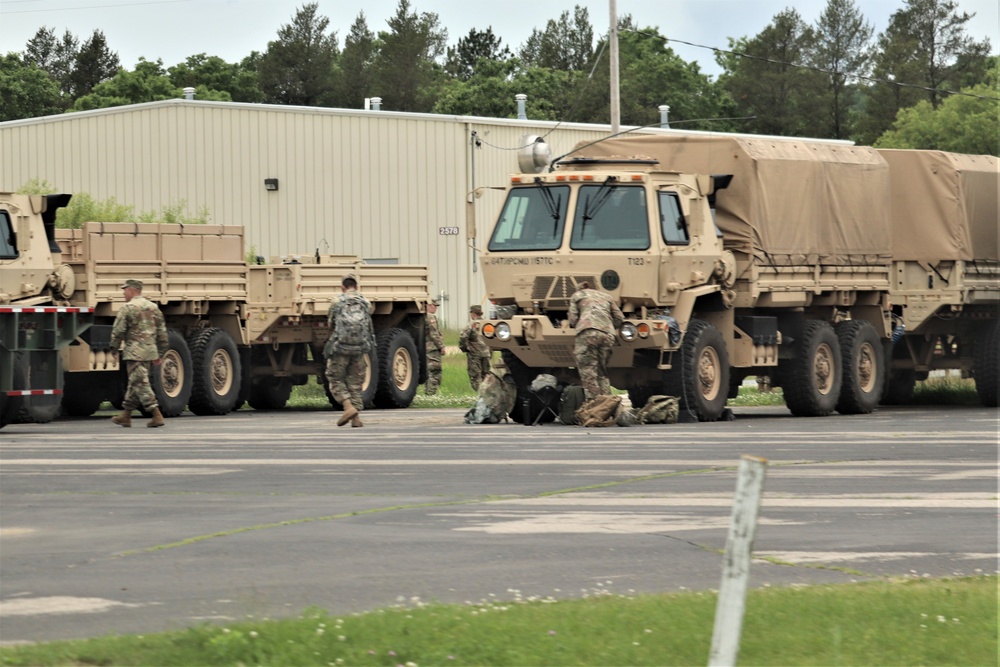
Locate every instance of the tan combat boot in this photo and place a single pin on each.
(123, 418)
(356, 421)
(157, 419)
(350, 412)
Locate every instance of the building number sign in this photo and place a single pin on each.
(448, 231)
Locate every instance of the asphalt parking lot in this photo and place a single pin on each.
(110, 530)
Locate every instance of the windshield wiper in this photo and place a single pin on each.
(551, 203)
(600, 199)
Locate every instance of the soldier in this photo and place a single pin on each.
(595, 317)
(477, 352)
(140, 326)
(351, 338)
(434, 345)
(496, 399)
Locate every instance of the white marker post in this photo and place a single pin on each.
(736, 564)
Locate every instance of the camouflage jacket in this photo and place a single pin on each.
(594, 309)
(432, 335)
(471, 340)
(333, 342)
(140, 326)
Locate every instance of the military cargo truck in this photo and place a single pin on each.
(946, 269)
(32, 328)
(729, 256)
(238, 332)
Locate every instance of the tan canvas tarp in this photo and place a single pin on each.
(790, 201)
(944, 206)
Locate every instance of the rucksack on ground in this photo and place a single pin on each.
(570, 401)
(659, 410)
(352, 327)
(598, 411)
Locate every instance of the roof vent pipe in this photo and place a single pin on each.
(189, 93)
(664, 116)
(376, 104)
(521, 99)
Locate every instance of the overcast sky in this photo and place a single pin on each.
(172, 30)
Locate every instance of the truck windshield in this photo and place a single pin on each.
(610, 217)
(531, 219)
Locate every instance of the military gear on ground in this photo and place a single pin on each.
(659, 410)
(626, 416)
(598, 411)
(157, 419)
(572, 398)
(351, 321)
(497, 396)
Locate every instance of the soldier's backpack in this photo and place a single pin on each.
(570, 401)
(659, 410)
(599, 411)
(497, 395)
(352, 327)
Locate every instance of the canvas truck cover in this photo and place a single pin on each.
(790, 201)
(944, 205)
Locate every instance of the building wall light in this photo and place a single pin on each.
(270, 184)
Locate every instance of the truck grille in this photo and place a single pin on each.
(554, 291)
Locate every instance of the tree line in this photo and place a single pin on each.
(922, 83)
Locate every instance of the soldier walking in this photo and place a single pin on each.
(434, 347)
(596, 318)
(477, 352)
(351, 338)
(140, 327)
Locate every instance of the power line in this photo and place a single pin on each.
(70, 9)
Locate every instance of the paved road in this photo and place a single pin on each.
(104, 529)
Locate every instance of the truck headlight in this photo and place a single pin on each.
(503, 331)
(489, 330)
(628, 332)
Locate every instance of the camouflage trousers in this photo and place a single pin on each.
(346, 375)
(478, 368)
(139, 393)
(433, 372)
(592, 351)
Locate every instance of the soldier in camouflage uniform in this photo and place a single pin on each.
(596, 318)
(496, 399)
(140, 326)
(434, 346)
(345, 364)
(477, 352)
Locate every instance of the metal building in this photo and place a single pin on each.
(384, 185)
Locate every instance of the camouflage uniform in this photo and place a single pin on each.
(345, 369)
(140, 326)
(476, 350)
(434, 347)
(595, 317)
(497, 396)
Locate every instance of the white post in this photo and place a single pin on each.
(736, 563)
(613, 38)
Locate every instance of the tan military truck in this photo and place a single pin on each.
(730, 256)
(946, 269)
(32, 328)
(238, 332)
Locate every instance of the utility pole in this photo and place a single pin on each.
(616, 114)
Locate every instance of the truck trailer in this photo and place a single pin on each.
(239, 332)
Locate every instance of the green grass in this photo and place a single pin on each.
(913, 622)
(945, 390)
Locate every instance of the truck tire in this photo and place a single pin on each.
(10, 406)
(811, 380)
(701, 379)
(861, 351)
(399, 369)
(986, 366)
(215, 363)
(523, 377)
(269, 392)
(83, 393)
(172, 384)
(368, 387)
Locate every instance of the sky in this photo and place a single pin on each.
(172, 30)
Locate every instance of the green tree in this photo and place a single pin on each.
(147, 83)
(966, 123)
(356, 64)
(564, 44)
(214, 73)
(464, 57)
(94, 63)
(406, 72)
(55, 56)
(842, 45)
(26, 90)
(300, 66)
